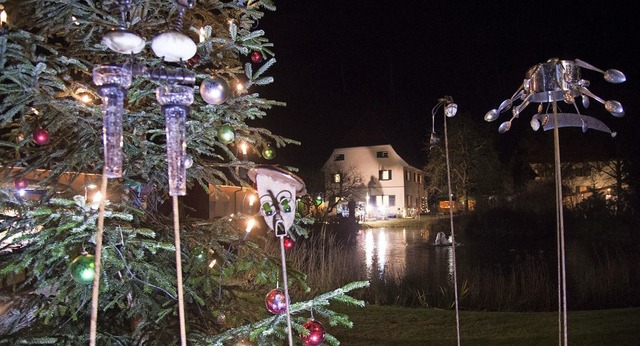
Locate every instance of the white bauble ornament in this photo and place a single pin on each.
(173, 46)
(123, 41)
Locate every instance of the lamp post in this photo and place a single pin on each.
(450, 110)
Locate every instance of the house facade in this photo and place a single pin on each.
(387, 186)
(583, 178)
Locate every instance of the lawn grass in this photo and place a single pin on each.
(392, 325)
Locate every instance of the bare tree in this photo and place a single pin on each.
(475, 167)
(618, 170)
(342, 184)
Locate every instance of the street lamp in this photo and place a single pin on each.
(450, 110)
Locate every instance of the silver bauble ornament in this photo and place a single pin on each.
(214, 91)
(188, 161)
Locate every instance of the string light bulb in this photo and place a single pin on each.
(97, 197)
(201, 34)
(250, 223)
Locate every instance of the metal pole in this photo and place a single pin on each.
(286, 287)
(95, 290)
(560, 221)
(453, 236)
(176, 233)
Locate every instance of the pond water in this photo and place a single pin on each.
(409, 258)
(395, 254)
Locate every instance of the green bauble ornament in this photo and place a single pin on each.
(268, 152)
(199, 254)
(82, 269)
(226, 134)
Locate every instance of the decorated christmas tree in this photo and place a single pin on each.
(113, 115)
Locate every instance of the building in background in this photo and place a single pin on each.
(380, 182)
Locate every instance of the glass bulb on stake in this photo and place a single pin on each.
(175, 100)
(112, 82)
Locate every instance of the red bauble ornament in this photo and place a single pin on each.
(41, 136)
(194, 60)
(276, 301)
(256, 57)
(20, 183)
(316, 333)
(288, 243)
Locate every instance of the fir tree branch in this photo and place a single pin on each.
(266, 325)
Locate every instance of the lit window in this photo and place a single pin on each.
(337, 177)
(338, 157)
(384, 174)
(382, 154)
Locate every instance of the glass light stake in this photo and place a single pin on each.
(175, 100)
(112, 82)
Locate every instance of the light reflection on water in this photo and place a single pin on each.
(408, 254)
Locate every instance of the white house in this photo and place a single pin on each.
(390, 186)
(584, 177)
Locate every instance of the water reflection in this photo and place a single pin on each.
(383, 251)
(406, 254)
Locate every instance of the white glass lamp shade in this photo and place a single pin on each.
(451, 109)
(173, 46)
(123, 41)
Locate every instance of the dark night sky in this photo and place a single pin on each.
(344, 63)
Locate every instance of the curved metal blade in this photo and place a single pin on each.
(577, 120)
